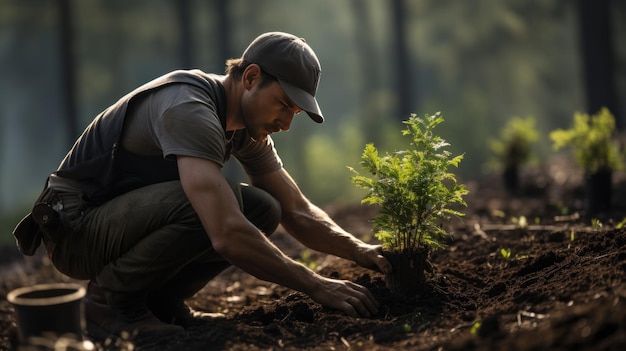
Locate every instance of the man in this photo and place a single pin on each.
(140, 208)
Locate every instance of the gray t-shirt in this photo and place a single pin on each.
(181, 119)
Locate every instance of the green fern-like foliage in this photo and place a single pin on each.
(513, 145)
(591, 140)
(413, 187)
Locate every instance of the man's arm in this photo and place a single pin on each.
(313, 227)
(242, 244)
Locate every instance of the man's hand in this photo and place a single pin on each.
(370, 257)
(346, 296)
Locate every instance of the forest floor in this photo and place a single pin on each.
(561, 288)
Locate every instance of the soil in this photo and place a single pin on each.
(561, 288)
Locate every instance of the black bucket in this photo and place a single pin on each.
(598, 189)
(49, 310)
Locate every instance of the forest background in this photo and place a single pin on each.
(479, 62)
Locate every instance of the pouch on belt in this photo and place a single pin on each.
(30, 229)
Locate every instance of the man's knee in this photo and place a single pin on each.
(261, 208)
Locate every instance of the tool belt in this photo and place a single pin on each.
(51, 217)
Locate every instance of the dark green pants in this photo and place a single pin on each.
(151, 240)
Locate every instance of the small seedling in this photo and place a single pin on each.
(506, 253)
(523, 257)
(596, 224)
(306, 259)
(498, 213)
(521, 222)
(476, 327)
(563, 209)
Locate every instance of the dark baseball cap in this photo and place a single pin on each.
(292, 61)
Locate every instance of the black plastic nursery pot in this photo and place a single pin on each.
(408, 271)
(510, 177)
(598, 188)
(48, 310)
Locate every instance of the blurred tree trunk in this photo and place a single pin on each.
(223, 31)
(369, 87)
(231, 169)
(66, 37)
(401, 57)
(186, 33)
(596, 43)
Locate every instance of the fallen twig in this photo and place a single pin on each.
(345, 342)
(478, 231)
(461, 326)
(521, 314)
(573, 217)
(404, 316)
(607, 255)
(530, 228)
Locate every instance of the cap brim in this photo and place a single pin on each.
(303, 100)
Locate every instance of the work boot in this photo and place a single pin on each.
(125, 316)
(175, 311)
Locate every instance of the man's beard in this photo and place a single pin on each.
(255, 136)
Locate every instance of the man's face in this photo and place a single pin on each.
(266, 109)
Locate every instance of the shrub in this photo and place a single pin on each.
(513, 145)
(413, 187)
(591, 140)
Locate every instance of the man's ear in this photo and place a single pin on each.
(250, 75)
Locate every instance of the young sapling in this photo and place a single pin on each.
(415, 192)
(591, 138)
(512, 149)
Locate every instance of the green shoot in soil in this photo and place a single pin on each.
(506, 253)
(521, 222)
(475, 327)
(596, 224)
(306, 259)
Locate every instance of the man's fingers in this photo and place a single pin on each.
(370, 304)
(363, 301)
(357, 308)
(351, 298)
(362, 308)
(370, 256)
(368, 295)
(350, 308)
(383, 264)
